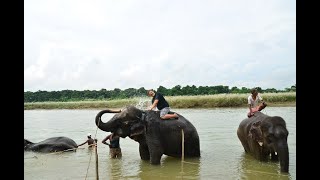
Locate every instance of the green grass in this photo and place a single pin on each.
(205, 101)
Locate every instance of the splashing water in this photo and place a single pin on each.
(143, 103)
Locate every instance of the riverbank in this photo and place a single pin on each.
(204, 101)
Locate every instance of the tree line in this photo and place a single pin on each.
(103, 94)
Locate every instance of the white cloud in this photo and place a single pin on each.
(131, 44)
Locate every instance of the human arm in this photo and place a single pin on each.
(154, 104)
(262, 101)
(250, 105)
(83, 143)
(104, 141)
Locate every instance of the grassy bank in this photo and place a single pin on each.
(205, 101)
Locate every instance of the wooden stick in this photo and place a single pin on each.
(182, 153)
(97, 173)
(182, 144)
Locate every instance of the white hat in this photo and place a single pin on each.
(89, 135)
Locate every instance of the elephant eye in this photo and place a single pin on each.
(270, 138)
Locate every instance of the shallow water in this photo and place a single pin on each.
(222, 155)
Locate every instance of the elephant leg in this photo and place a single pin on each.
(155, 157)
(144, 152)
(255, 149)
(260, 153)
(154, 144)
(243, 142)
(156, 151)
(245, 146)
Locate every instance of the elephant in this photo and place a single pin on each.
(53, 144)
(154, 135)
(265, 137)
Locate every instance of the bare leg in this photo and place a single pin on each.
(168, 116)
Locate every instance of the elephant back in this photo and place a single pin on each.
(53, 144)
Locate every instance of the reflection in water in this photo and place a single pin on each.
(251, 169)
(114, 168)
(170, 168)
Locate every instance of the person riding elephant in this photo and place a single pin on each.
(155, 136)
(159, 102)
(255, 102)
(262, 135)
(53, 144)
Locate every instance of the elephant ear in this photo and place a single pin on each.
(255, 133)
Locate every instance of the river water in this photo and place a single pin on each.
(222, 155)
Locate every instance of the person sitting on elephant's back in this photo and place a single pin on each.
(115, 150)
(91, 142)
(160, 102)
(253, 102)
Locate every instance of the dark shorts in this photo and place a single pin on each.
(115, 152)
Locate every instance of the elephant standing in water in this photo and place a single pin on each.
(262, 135)
(154, 135)
(53, 144)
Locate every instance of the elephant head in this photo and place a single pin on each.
(127, 122)
(275, 136)
(255, 133)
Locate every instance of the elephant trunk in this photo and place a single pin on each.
(283, 153)
(108, 126)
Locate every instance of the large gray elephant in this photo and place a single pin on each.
(53, 144)
(265, 137)
(154, 135)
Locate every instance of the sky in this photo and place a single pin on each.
(108, 44)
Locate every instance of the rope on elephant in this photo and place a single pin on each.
(182, 150)
(72, 149)
(182, 144)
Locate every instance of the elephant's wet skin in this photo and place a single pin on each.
(154, 135)
(265, 137)
(54, 144)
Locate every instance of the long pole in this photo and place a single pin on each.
(97, 173)
(182, 144)
(182, 152)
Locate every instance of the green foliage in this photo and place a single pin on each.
(199, 101)
(103, 94)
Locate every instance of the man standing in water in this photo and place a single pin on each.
(160, 102)
(115, 150)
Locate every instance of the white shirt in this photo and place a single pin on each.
(254, 103)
